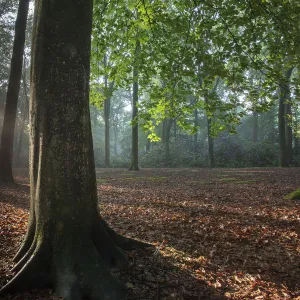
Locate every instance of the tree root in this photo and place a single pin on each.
(27, 243)
(32, 275)
(76, 266)
(125, 243)
(21, 262)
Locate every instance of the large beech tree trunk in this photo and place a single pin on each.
(68, 245)
(8, 129)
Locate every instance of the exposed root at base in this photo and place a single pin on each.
(27, 243)
(32, 275)
(77, 267)
(125, 243)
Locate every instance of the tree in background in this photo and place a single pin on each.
(7, 137)
(134, 166)
(108, 90)
(285, 137)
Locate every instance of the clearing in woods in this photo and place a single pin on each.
(219, 234)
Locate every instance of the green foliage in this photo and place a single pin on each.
(224, 58)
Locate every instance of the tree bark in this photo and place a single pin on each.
(167, 125)
(68, 245)
(196, 123)
(211, 155)
(7, 137)
(288, 132)
(283, 96)
(115, 140)
(296, 138)
(135, 127)
(108, 91)
(23, 118)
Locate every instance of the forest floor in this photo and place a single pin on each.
(218, 234)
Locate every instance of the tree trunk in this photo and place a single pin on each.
(210, 140)
(283, 96)
(108, 91)
(116, 140)
(255, 127)
(211, 156)
(167, 125)
(7, 137)
(148, 144)
(23, 118)
(2, 104)
(296, 138)
(196, 123)
(135, 127)
(68, 245)
(288, 132)
(175, 130)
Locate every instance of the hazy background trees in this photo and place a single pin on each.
(218, 83)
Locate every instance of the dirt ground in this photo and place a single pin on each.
(218, 234)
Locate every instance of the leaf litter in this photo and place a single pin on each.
(213, 239)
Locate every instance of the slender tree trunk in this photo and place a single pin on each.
(116, 140)
(271, 115)
(283, 96)
(167, 125)
(210, 140)
(255, 127)
(106, 119)
(196, 123)
(175, 130)
(108, 92)
(7, 137)
(148, 145)
(135, 127)
(211, 155)
(68, 245)
(23, 118)
(281, 128)
(296, 138)
(2, 105)
(288, 132)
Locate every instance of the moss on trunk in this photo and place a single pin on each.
(68, 245)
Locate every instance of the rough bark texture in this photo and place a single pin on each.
(135, 128)
(7, 137)
(68, 245)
